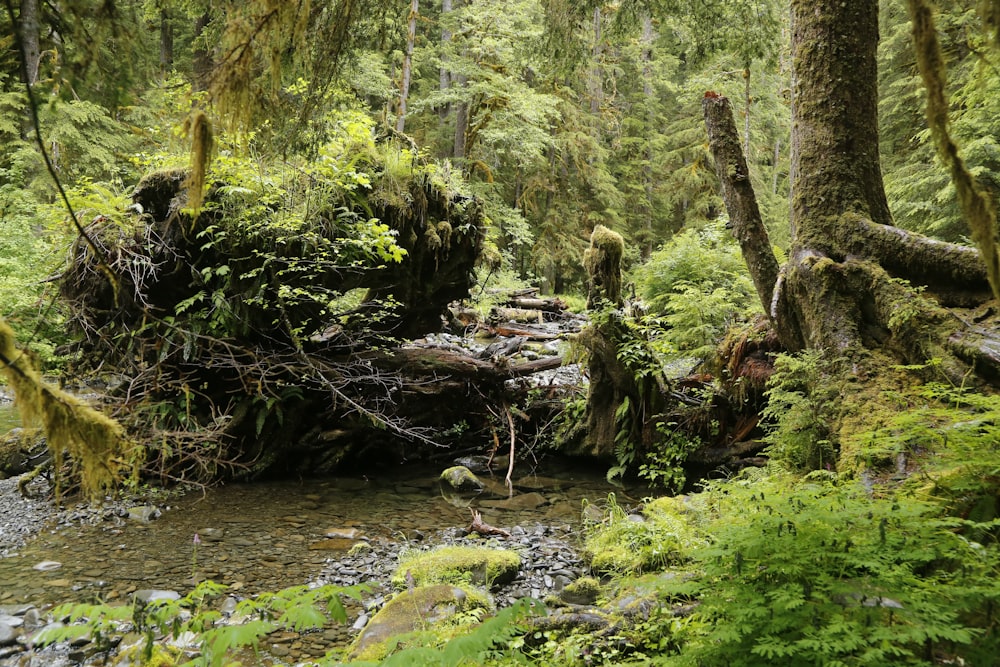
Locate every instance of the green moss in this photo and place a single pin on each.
(584, 590)
(460, 477)
(626, 544)
(457, 564)
(424, 616)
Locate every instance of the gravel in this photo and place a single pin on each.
(21, 517)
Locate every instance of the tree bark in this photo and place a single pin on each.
(166, 42)
(744, 214)
(444, 75)
(202, 56)
(835, 117)
(30, 32)
(404, 85)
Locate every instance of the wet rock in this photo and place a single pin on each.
(47, 566)
(526, 501)
(144, 513)
(211, 534)
(150, 594)
(461, 479)
(8, 633)
(344, 533)
(333, 544)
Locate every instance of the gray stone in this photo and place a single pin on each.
(8, 633)
(47, 566)
(144, 513)
(150, 594)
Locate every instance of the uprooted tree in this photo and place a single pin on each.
(266, 331)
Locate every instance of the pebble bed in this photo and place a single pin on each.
(547, 546)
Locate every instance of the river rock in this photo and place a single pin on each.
(150, 594)
(333, 544)
(409, 611)
(47, 566)
(461, 479)
(343, 533)
(144, 513)
(8, 633)
(525, 501)
(457, 563)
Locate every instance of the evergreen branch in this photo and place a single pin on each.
(36, 126)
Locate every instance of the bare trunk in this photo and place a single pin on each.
(444, 74)
(647, 93)
(404, 85)
(202, 55)
(30, 32)
(166, 42)
(461, 122)
(744, 214)
(595, 86)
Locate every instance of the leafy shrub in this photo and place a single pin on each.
(699, 283)
(797, 415)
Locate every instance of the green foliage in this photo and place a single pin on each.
(298, 608)
(699, 282)
(818, 571)
(456, 564)
(626, 543)
(799, 412)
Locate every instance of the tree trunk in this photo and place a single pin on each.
(647, 93)
(202, 56)
(595, 86)
(404, 84)
(166, 42)
(744, 214)
(30, 32)
(444, 74)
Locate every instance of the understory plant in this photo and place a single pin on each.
(818, 571)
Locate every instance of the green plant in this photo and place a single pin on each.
(627, 543)
(817, 571)
(798, 413)
(297, 608)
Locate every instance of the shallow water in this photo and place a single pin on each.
(263, 536)
(8, 416)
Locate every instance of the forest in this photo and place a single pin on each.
(246, 241)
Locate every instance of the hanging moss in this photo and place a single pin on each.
(99, 450)
(977, 208)
(199, 127)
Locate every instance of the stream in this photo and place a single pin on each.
(267, 536)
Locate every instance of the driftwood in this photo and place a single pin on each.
(483, 528)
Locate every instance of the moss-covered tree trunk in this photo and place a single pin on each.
(866, 293)
(837, 291)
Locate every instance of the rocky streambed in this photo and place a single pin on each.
(269, 536)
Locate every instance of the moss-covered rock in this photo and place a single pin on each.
(412, 611)
(461, 479)
(482, 566)
(584, 590)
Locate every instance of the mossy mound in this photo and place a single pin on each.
(481, 566)
(407, 618)
(626, 544)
